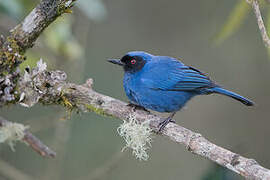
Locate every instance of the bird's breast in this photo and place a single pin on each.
(130, 88)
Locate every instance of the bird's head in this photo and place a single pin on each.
(133, 61)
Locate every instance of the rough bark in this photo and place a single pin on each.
(84, 98)
(21, 38)
(41, 86)
(26, 33)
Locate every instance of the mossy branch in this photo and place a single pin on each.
(51, 87)
(12, 49)
(22, 37)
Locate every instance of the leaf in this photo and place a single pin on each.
(234, 21)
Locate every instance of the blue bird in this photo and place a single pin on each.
(165, 84)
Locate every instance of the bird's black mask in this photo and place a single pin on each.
(130, 64)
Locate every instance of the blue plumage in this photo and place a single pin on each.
(165, 84)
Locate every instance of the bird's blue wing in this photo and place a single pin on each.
(172, 75)
(191, 79)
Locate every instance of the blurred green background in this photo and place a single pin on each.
(217, 37)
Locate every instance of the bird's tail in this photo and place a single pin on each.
(233, 95)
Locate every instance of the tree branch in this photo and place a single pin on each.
(47, 87)
(84, 98)
(12, 49)
(26, 33)
(32, 141)
(257, 12)
(20, 39)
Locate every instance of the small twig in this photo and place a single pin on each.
(257, 12)
(33, 142)
(37, 145)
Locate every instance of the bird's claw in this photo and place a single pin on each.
(164, 123)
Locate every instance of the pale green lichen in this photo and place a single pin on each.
(137, 136)
(12, 132)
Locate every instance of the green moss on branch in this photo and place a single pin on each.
(99, 111)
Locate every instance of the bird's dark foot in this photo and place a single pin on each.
(137, 107)
(166, 121)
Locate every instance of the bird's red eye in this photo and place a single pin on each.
(133, 61)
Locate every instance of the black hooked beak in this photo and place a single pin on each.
(116, 61)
